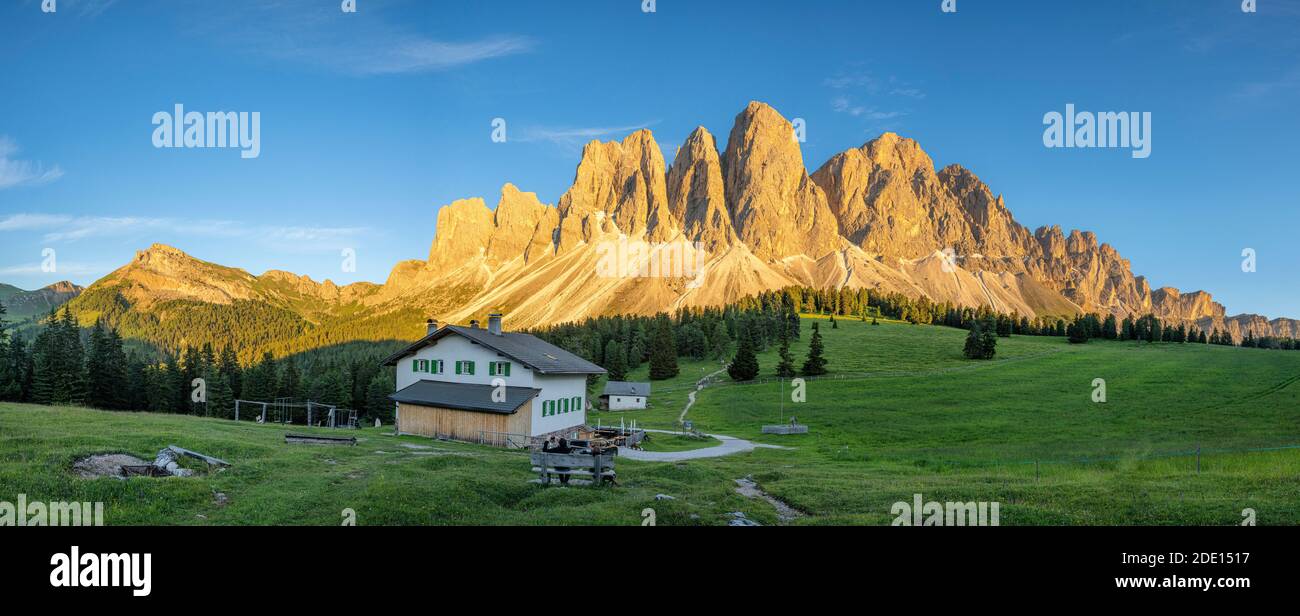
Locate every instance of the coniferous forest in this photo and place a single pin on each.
(60, 360)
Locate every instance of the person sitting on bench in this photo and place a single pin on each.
(563, 447)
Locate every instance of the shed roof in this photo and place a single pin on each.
(626, 388)
(464, 396)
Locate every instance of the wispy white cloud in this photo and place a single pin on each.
(908, 92)
(15, 172)
(65, 229)
(368, 42)
(62, 269)
(577, 136)
(842, 104)
(856, 80)
(421, 54)
(1285, 82)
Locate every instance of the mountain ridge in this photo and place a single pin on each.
(878, 216)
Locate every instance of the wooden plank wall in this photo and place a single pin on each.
(461, 425)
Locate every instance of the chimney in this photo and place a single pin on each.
(473, 324)
(494, 323)
(430, 326)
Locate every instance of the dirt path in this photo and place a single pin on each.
(749, 489)
(728, 446)
(690, 398)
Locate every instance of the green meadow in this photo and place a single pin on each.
(901, 413)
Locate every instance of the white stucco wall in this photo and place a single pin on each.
(557, 387)
(620, 403)
(455, 348)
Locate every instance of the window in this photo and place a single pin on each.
(499, 368)
(564, 405)
(548, 408)
(436, 366)
(465, 366)
(577, 403)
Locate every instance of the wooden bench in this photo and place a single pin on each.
(598, 469)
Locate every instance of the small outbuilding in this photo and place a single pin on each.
(624, 395)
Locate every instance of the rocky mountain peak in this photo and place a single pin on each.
(624, 180)
(697, 193)
(464, 228)
(896, 153)
(775, 207)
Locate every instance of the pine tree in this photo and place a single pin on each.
(7, 379)
(815, 364)
(1108, 327)
(785, 368)
(615, 361)
(290, 382)
(221, 398)
(228, 366)
(638, 348)
(663, 351)
(988, 341)
(260, 380)
(744, 366)
(378, 404)
(720, 341)
(974, 343)
(1077, 332)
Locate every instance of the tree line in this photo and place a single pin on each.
(66, 364)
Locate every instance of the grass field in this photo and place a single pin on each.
(902, 413)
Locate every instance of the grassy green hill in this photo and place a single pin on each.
(901, 413)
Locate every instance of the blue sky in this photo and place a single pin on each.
(371, 121)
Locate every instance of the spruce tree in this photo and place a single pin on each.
(785, 368)
(815, 364)
(228, 366)
(615, 361)
(988, 341)
(720, 341)
(744, 366)
(221, 399)
(1077, 332)
(290, 382)
(663, 351)
(974, 348)
(378, 404)
(7, 379)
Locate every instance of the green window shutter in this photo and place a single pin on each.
(415, 365)
(507, 366)
(577, 403)
(470, 365)
(458, 366)
(492, 368)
